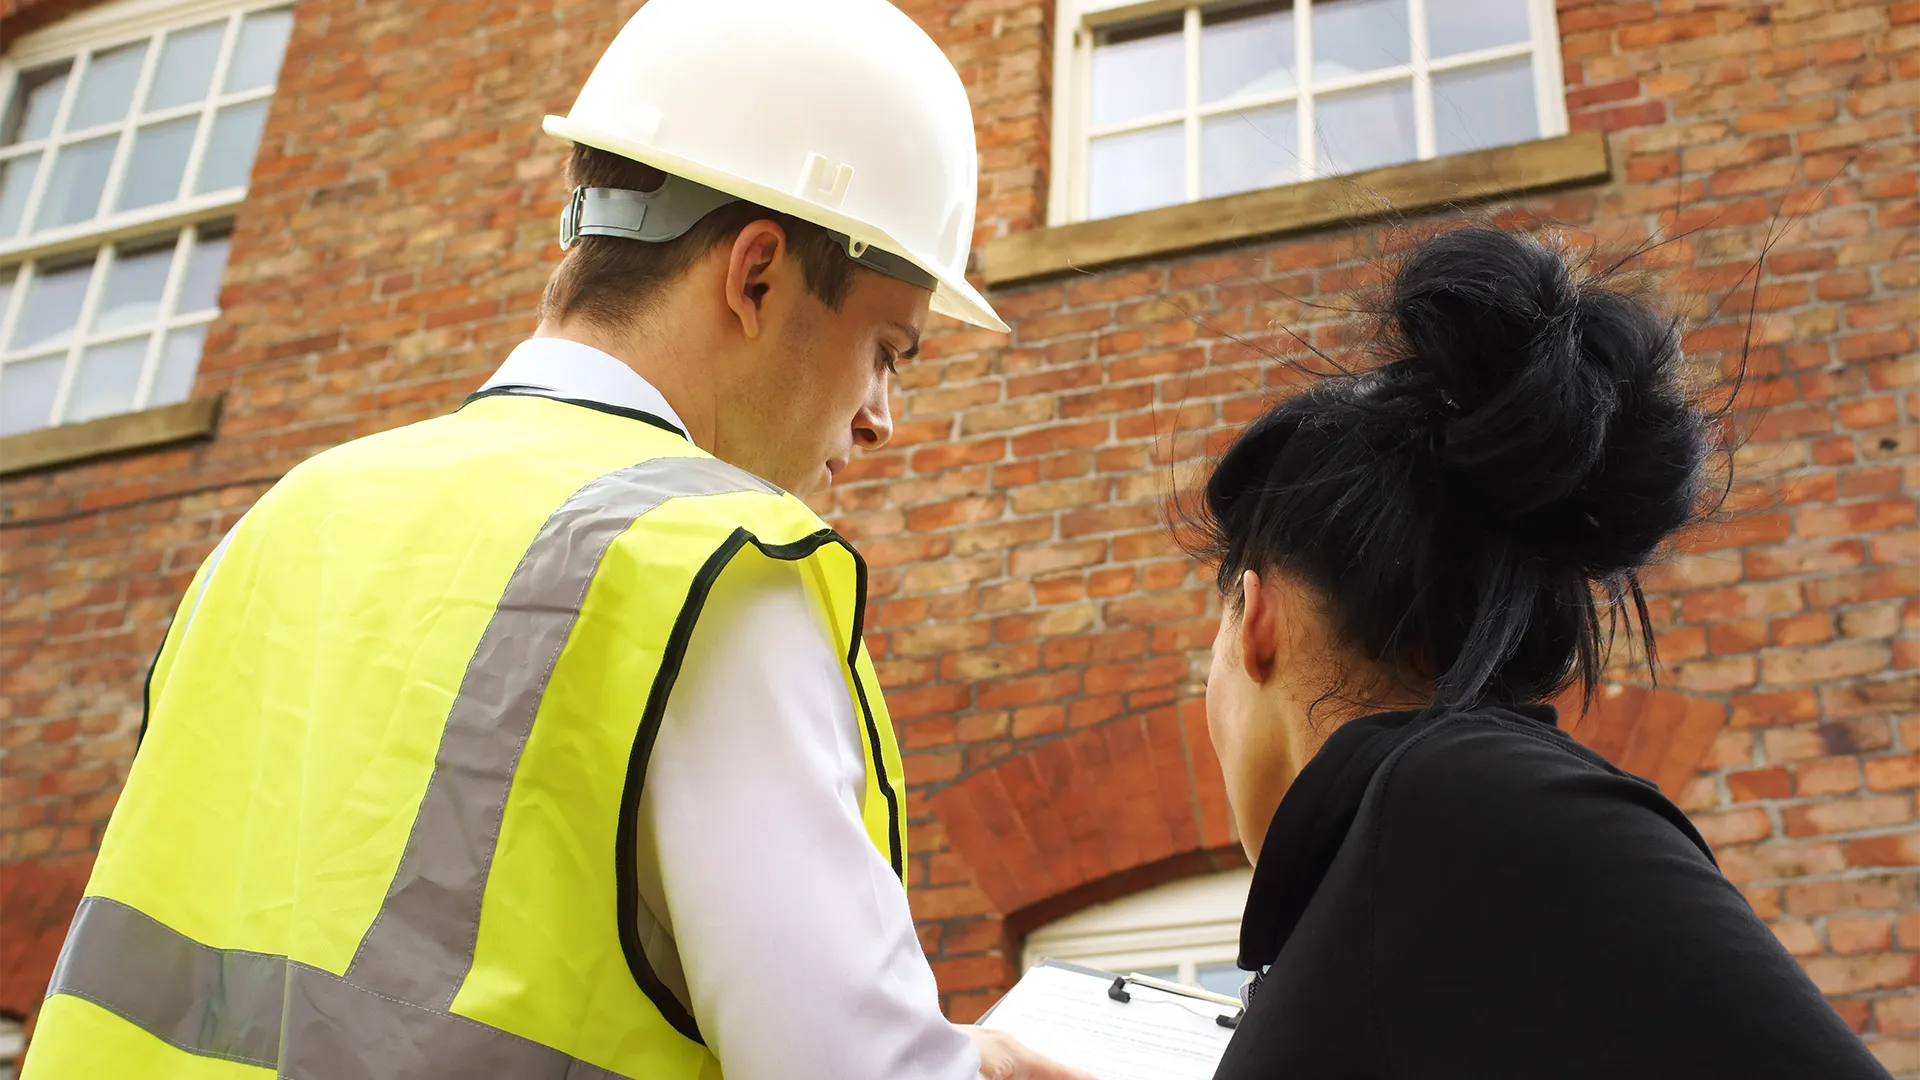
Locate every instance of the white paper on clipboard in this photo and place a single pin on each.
(1065, 1012)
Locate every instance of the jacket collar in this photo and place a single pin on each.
(1313, 819)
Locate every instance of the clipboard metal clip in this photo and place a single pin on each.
(1118, 992)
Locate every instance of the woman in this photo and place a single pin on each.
(1414, 560)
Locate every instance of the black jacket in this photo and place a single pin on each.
(1477, 895)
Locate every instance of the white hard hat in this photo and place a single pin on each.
(839, 112)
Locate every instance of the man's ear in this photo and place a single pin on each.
(750, 262)
(1260, 618)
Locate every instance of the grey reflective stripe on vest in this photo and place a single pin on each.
(388, 1016)
(420, 946)
(230, 1004)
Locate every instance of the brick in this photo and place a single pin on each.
(1833, 776)
(1853, 935)
(1849, 975)
(1793, 559)
(1773, 783)
(1898, 849)
(1823, 663)
(1855, 517)
(1846, 815)
(1743, 826)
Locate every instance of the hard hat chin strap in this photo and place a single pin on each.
(667, 212)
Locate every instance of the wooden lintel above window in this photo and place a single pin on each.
(1396, 189)
(148, 428)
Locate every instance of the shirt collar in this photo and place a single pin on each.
(558, 368)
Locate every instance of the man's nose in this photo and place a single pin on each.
(873, 424)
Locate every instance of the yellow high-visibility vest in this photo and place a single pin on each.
(383, 820)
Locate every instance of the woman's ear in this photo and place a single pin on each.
(1261, 616)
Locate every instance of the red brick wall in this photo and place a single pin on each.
(1042, 641)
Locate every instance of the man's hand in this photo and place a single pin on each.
(1002, 1057)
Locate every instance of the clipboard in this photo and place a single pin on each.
(1108, 1024)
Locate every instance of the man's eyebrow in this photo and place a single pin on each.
(913, 340)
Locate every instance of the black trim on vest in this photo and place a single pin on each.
(626, 874)
(660, 422)
(146, 691)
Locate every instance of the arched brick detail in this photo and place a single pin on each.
(1099, 803)
(1660, 734)
(1146, 791)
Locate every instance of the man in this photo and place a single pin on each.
(538, 740)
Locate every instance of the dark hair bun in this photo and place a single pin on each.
(1472, 503)
(1559, 408)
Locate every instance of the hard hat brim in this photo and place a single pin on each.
(954, 296)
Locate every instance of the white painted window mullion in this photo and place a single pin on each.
(96, 284)
(1303, 76)
(203, 134)
(1426, 141)
(30, 212)
(1549, 81)
(130, 127)
(169, 295)
(1082, 121)
(22, 279)
(1192, 98)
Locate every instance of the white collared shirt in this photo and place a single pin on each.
(556, 367)
(799, 950)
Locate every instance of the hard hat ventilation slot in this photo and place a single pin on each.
(823, 182)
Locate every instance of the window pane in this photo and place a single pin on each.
(16, 180)
(159, 163)
(1246, 51)
(51, 307)
(1491, 105)
(179, 359)
(256, 56)
(79, 174)
(1457, 26)
(132, 294)
(230, 150)
(107, 89)
(201, 289)
(27, 389)
(1138, 71)
(1365, 129)
(108, 376)
(1252, 149)
(186, 66)
(1137, 171)
(34, 106)
(1220, 978)
(1352, 36)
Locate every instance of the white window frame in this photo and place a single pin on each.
(77, 38)
(1183, 925)
(1076, 21)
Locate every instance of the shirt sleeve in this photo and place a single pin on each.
(1536, 913)
(798, 948)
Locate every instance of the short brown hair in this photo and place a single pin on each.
(608, 280)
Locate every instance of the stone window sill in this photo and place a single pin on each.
(1396, 189)
(69, 443)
